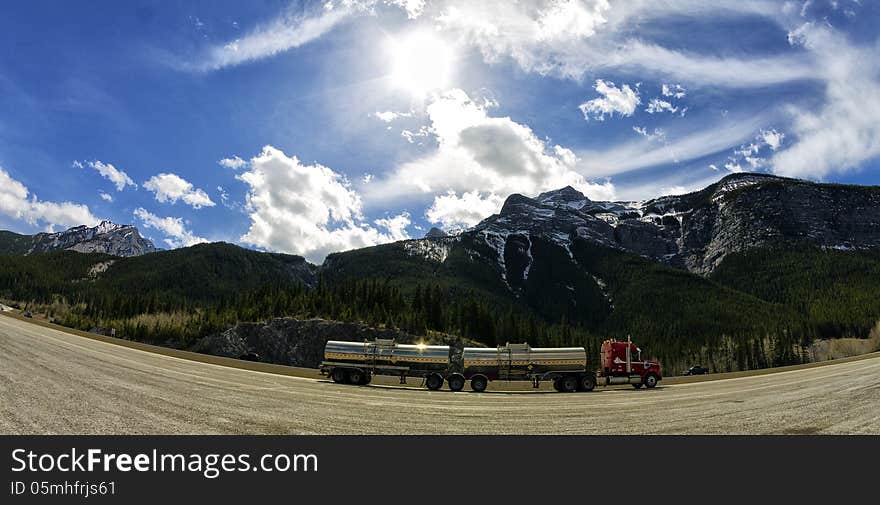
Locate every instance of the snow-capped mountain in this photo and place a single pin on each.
(106, 237)
(695, 231)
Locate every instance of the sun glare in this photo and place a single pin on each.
(420, 62)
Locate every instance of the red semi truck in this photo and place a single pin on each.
(622, 363)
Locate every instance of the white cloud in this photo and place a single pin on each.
(673, 90)
(395, 226)
(290, 30)
(658, 134)
(173, 227)
(389, 116)
(413, 8)
(622, 100)
(844, 132)
(573, 38)
(119, 178)
(286, 32)
(172, 187)
(673, 147)
(105, 196)
(17, 202)
(411, 136)
(456, 212)
(772, 138)
(734, 167)
(234, 162)
(479, 161)
(657, 105)
(308, 209)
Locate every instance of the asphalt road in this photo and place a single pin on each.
(52, 382)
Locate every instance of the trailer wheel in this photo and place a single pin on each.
(434, 382)
(587, 383)
(456, 382)
(368, 377)
(557, 384)
(355, 376)
(650, 381)
(339, 375)
(569, 384)
(479, 383)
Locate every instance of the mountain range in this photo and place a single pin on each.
(107, 238)
(745, 273)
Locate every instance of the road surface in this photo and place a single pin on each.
(53, 382)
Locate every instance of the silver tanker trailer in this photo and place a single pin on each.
(357, 362)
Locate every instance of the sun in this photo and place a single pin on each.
(421, 62)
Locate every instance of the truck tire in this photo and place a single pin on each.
(569, 384)
(557, 384)
(479, 383)
(587, 383)
(456, 382)
(339, 376)
(434, 382)
(650, 381)
(356, 376)
(637, 386)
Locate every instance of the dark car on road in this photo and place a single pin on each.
(27, 314)
(696, 370)
(250, 356)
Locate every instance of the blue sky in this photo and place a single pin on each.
(351, 123)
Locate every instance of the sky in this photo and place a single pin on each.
(310, 127)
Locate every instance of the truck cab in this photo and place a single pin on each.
(622, 363)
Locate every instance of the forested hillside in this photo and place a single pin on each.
(758, 309)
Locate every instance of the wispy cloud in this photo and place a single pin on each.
(284, 33)
(645, 152)
(119, 178)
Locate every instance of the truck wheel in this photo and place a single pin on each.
(569, 384)
(557, 384)
(339, 376)
(587, 383)
(479, 383)
(650, 381)
(434, 382)
(456, 382)
(368, 377)
(356, 377)
(638, 386)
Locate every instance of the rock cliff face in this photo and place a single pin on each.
(107, 238)
(695, 231)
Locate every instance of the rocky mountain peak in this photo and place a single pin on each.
(107, 237)
(566, 195)
(515, 203)
(435, 232)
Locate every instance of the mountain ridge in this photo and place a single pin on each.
(105, 238)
